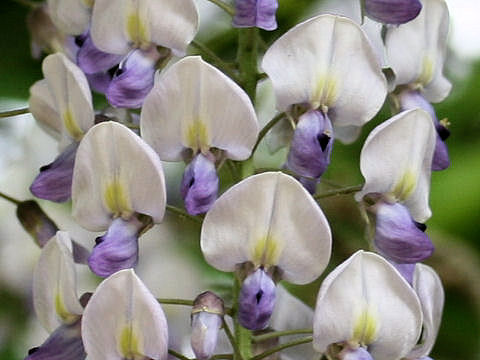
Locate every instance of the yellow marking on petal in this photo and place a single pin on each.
(88, 3)
(137, 31)
(428, 67)
(366, 326)
(266, 251)
(129, 344)
(62, 312)
(326, 91)
(116, 199)
(71, 125)
(197, 137)
(406, 186)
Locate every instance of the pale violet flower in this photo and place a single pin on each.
(123, 320)
(118, 186)
(266, 228)
(192, 110)
(325, 74)
(62, 105)
(367, 310)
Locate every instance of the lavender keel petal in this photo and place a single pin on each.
(256, 13)
(92, 60)
(393, 11)
(357, 354)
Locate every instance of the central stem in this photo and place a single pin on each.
(247, 60)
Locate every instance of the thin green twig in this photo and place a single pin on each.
(29, 4)
(183, 214)
(342, 191)
(10, 199)
(281, 347)
(215, 59)
(275, 334)
(266, 129)
(175, 302)
(231, 338)
(177, 355)
(224, 6)
(16, 112)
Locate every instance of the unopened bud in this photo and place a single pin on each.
(34, 220)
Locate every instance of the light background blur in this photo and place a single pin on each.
(170, 256)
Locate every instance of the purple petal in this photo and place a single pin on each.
(117, 249)
(133, 79)
(199, 185)
(256, 301)
(414, 99)
(99, 82)
(393, 11)
(205, 328)
(92, 60)
(256, 13)
(63, 343)
(54, 182)
(34, 220)
(312, 145)
(356, 354)
(398, 237)
(406, 270)
(309, 184)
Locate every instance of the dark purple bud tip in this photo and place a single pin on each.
(40, 227)
(92, 60)
(312, 145)
(355, 354)
(63, 343)
(199, 185)
(393, 11)
(54, 182)
(398, 237)
(117, 249)
(256, 301)
(256, 13)
(133, 79)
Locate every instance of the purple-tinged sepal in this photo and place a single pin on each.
(207, 313)
(133, 79)
(200, 184)
(54, 182)
(34, 220)
(312, 145)
(64, 343)
(257, 300)
(359, 353)
(99, 82)
(398, 237)
(118, 248)
(93, 60)
(394, 12)
(256, 13)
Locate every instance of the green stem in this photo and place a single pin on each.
(281, 347)
(175, 302)
(183, 214)
(275, 334)
(285, 171)
(9, 198)
(215, 60)
(5, 114)
(266, 129)
(242, 335)
(29, 4)
(342, 191)
(247, 60)
(131, 125)
(222, 356)
(177, 355)
(224, 6)
(231, 338)
(233, 170)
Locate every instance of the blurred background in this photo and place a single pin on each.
(171, 262)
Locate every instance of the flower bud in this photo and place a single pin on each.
(34, 220)
(207, 315)
(256, 13)
(393, 11)
(257, 300)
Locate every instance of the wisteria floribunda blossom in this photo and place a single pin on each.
(56, 303)
(392, 11)
(62, 105)
(118, 186)
(266, 228)
(256, 13)
(419, 71)
(337, 84)
(123, 320)
(396, 164)
(366, 310)
(192, 110)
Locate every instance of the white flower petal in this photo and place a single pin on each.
(116, 174)
(118, 26)
(416, 50)
(347, 134)
(429, 289)
(396, 160)
(71, 16)
(268, 219)
(327, 61)
(42, 106)
(365, 300)
(54, 284)
(123, 320)
(194, 105)
(71, 93)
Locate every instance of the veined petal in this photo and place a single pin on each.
(365, 301)
(123, 320)
(116, 174)
(54, 284)
(42, 106)
(270, 220)
(327, 62)
(429, 289)
(396, 161)
(71, 93)
(70, 16)
(122, 25)
(416, 51)
(393, 11)
(259, 13)
(183, 111)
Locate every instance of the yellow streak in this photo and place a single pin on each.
(266, 251)
(366, 326)
(116, 199)
(426, 75)
(137, 31)
(405, 186)
(326, 91)
(61, 310)
(71, 125)
(129, 344)
(197, 137)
